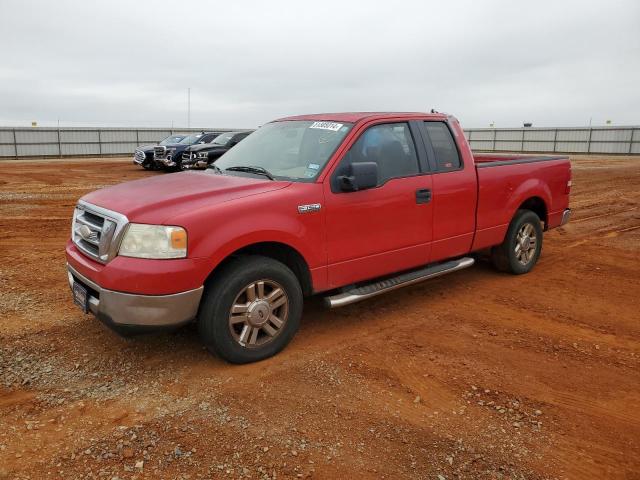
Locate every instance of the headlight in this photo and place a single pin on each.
(154, 241)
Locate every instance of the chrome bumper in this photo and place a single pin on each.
(566, 215)
(118, 309)
(195, 164)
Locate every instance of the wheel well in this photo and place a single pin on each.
(536, 205)
(280, 252)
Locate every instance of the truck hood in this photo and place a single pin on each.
(145, 148)
(206, 146)
(178, 147)
(157, 199)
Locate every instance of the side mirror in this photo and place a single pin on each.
(363, 175)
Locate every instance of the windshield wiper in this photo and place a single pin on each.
(251, 169)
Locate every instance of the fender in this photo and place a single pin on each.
(246, 222)
(493, 233)
(251, 238)
(533, 187)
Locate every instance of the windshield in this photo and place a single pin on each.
(171, 139)
(223, 139)
(191, 139)
(292, 150)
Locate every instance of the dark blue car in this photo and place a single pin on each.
(169, 156)
(143, 155)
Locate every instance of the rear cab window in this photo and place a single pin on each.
(445, 150)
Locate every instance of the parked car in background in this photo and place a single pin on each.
(203, 155)
(169, 157)
(143, 155)
(346, 205)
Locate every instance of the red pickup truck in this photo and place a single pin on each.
(347, 205)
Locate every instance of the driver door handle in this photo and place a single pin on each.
(423, 195)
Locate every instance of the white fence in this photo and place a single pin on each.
(612, 140)
(54, 142)
(58, 142)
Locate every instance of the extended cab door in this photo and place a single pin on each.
(387, 228)
(454, 189)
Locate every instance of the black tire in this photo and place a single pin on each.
(505, 257)
(226, 287)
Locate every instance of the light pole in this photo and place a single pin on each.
(189, 107)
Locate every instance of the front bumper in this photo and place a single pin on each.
(195, 163)
(126, 312)
(167, 161)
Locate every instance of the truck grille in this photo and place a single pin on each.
(96, 231)
(159, 152)
(139, 156)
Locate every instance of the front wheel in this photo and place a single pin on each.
(251, 309)
(520, 250)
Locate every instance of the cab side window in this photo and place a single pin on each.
(444, 147)
(390, 146)
(240, 136)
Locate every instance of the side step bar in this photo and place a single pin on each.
(357, 294)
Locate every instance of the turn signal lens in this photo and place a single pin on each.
(179, 239)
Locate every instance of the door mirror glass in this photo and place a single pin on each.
(363, 175)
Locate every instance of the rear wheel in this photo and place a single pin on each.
(251, 309)
(520, 250)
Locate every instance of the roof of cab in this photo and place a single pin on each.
(353, 117)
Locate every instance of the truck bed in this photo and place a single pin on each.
(491, 159)
(501, 189)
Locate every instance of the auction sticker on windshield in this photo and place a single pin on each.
(334, 127)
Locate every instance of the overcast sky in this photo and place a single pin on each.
(129, 63)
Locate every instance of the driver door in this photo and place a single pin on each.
(385, 229)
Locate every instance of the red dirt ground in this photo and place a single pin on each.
(476, 375)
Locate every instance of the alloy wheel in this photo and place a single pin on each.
(526, 243)
(258, 313)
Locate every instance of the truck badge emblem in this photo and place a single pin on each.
(309, 208)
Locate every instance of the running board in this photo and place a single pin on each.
(357, 294)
